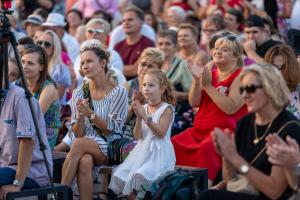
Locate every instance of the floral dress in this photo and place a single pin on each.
(52, 117)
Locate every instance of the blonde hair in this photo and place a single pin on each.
(291, 68)
(168, 95)
(55, 58)
(272, 81)
(153, 54)
(105, 25)
(233, 45)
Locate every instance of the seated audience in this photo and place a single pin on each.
(283, 57)
(32, 24)
(215, 91)
(22, 164)
(154, 153)
(151, 58)
(257, 41)
(43, 88)
(134, 44)
(188, 45)
(56, 69)
(284, 152)
(13, 70)
(180, 77)
(99, 107)
(266, 96)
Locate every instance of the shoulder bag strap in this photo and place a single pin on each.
(263, 149)
(87, 94)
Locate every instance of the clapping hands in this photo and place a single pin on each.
(282, 153)
(224, 143)
(137, 106)
(84, 108)
(200, 73)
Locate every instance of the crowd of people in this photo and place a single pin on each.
(201, 83)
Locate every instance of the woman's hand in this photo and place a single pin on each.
(84, 108)
(206, 77)
(283, 153)
(224, 143)
(196, 71)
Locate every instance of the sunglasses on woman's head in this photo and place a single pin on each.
(45, 44)
(97, 31)
(250, 89)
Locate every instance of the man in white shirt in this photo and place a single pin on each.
(98, 29)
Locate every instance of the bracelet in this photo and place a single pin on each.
(296, 188)
(80, 123)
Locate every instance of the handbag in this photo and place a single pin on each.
(295, 196)
(240, 183)
(118, 146)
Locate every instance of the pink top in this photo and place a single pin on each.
(88, 7)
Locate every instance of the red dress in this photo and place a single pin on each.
(194, 146)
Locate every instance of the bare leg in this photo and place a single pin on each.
(80, 147)
(84, 177)
(132, 195)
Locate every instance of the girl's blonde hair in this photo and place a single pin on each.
(55, 59)
(168, 95)
(272, 82)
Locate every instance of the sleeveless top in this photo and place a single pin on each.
(209, 114)
(52, 117)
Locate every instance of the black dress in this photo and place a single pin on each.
(244, 136)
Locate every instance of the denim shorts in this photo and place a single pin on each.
(8, 175)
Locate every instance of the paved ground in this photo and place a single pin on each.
(97, 188)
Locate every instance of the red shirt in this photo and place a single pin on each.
(131, 53)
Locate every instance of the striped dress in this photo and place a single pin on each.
(113, 108)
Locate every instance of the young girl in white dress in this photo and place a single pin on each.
(154, 153)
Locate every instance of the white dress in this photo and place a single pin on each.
(150, 158)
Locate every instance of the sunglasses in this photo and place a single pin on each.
(45, 44)
(97, 31)
(250, 89)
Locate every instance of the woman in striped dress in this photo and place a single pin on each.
(99, 107)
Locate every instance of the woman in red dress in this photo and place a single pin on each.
(215, 91)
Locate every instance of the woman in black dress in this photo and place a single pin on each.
(266, 96)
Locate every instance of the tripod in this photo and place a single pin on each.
(7, 36)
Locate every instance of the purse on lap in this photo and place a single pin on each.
(240, 183)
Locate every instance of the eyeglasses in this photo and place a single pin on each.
(97, 31)
(209, 30)
(45, 44)
(250, 89)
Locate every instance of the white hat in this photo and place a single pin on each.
(34, 19)
(55, 19)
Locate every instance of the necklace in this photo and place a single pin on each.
(154, 105)
(257, 139)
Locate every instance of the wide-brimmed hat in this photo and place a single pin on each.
(33, 19)
(55, 19)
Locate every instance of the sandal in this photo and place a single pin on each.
(122, 197)
(102, 196)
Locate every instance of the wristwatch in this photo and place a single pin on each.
(93, 115)
(18, 183)
(149, 120)
(298, 169)
(244, 169)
